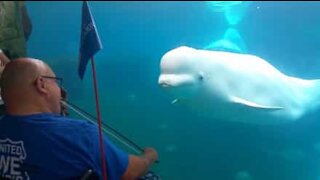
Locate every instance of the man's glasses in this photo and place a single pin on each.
(63, 92)
(58, 80)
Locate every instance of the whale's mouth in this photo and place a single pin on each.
(172, 80)
(165, 84)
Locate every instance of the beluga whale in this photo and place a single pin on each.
(235, 87)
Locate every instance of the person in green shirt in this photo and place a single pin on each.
(15, 28)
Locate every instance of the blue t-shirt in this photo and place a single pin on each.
(49, 146)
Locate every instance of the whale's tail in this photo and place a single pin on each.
(231, 42)
(234, 11)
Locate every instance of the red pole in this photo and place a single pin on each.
(103, 159)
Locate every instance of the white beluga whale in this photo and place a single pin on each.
(235, 87)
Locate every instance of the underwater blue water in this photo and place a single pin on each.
(135, 35)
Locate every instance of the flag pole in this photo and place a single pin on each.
(89, 45)
(103, 159)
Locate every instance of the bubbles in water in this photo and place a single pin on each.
(171, 148)
(132, 96)
(163, 126)
(293, 154)
(243, 175)
(316, 147)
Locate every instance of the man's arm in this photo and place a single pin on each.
(139, 165)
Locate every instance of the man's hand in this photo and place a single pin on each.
(139, 165)
(151, 154)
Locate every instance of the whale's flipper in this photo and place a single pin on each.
(250, 104)
(231, 42)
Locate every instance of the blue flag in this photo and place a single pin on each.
(90, 42)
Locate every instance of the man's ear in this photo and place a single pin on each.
(41, 85)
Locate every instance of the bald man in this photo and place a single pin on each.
(36, 142)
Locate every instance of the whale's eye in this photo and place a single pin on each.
(200, 76)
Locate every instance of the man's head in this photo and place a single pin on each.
(29, 86)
